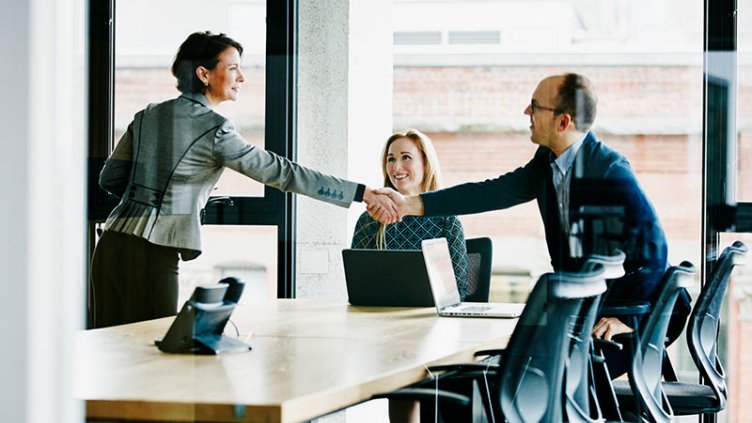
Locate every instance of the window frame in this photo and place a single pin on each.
(721, 212)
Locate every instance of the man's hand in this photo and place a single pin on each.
(397, 198)
(382, 205)
(608, 327)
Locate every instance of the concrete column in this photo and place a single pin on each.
(344, 116)
(42, 186)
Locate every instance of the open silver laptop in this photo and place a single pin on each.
(444, 286)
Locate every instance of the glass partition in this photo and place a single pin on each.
(744, 101)
(146, 44)
(246, 252)
(464, 72)
(468, 83)
(145, 47)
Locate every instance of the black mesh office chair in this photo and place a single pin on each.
(642, 397)
(479, 262)
(702, 339)
(580, 404)
(580, 399)
(528, 384)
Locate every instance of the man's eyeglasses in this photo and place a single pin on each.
(534, 106)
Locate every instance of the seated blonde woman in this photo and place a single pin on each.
(410, 166)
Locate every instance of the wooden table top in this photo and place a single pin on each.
(309, 358)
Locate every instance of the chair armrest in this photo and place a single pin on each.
(600, 343)
(426, 394)
(491, 352)
(634, 309)
(463, 367)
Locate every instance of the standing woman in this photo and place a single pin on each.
(411, 166)
(164, 169)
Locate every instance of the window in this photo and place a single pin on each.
(646, 66)
(135, 45)
(743, 155)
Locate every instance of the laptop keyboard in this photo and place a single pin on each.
(474, 309)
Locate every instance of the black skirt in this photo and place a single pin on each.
(131, 280)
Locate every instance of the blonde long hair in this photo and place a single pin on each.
(431, 169)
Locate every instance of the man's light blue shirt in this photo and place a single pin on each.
(561, 169)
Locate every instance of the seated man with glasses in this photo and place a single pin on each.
(570, 170)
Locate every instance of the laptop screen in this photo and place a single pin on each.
(440, 272)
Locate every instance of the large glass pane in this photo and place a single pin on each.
(744, 101)
(246, 252)
(736, 329)
(464, 71)
(737, 323)
(148, 35)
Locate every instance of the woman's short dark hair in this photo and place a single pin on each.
(199, 49)
(577, 98)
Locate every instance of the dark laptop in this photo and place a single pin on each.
(393, 278)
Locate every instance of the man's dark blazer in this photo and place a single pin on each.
(602, 178)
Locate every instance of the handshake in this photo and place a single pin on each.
(388, 206)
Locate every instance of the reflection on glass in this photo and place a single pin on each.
(736, 319)
(146, 43)
(464, 71)
(511, 287)
(736, 327)
(246, 252)
(744, 101)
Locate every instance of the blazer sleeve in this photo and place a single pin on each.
(117, 169)
(455, 236)
(513, 188)
(643, 240)
(232, 151)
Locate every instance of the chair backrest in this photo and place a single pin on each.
(530, 381)
(703, 325)
(479, 262)
(613, 265)
(647, 363)
(577, 384)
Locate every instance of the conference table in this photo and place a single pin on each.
(309, 358)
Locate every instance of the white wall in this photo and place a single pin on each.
(42, 187)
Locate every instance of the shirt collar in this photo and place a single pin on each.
(565, 160)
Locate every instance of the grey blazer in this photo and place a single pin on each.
(170, 158)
